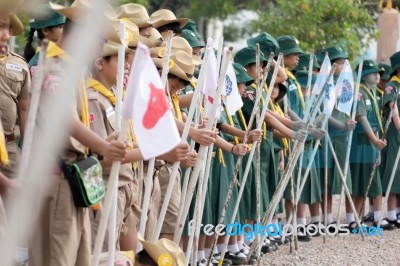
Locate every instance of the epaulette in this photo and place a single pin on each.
(19, 56)
(92, 95)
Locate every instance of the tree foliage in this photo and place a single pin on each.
(318, 24)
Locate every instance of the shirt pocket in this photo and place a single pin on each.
(14, 80)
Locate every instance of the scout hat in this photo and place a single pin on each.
(180, 65)
(132, 36)
(241, 74)
(9, 4)
(289, 45)
(111, 48)
(336, 52)
(45, 17)
(163, 17)
(302, 78)
(191, 25)
(304, 63)
(369, 67)
(156, 37)
(164, 252)
(395, 62)
(268, 44)
(281, 86)
(16, 25)
(192, 39)
(76, 11)
(387, 70)
(320, 55)
(136, 13)
(247, 56)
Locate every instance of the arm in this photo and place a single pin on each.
(276, 124)
(239, 149)
(202, 136)
(185, 100)
(293, 116)
(380, 144)
(395, 117)
(22, 115)
(281, 77)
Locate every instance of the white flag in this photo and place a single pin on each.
(231, 92)
(345, 89)
(147, 105)
(330, 97)
(210, 82)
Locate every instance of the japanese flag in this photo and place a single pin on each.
(146, 104)
(231, 93)
(345, 89)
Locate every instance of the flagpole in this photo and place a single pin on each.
(202, 150)
(239, 159)
(326, 185)
(349, 141)
(298, 147)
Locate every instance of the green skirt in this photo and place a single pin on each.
(268, 176)
(277, 158)
(362, 157)
(248, 201)
(388, 159)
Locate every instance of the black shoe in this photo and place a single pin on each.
(276, 239)
(330, 229)
(368, 218)
(396, 223)
(226, 261)
(252, 261)
(387, 226)
(312, 230)
(302, 235)
(236, 258)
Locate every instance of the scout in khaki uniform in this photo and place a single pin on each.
(15, 85)
(62, 234)
(48, 25)
(393, 139)
(165, 20)
(137, 14)
(366, 143)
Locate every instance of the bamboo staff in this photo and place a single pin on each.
(247, 169)
(353, 116)
(298, 146)
(239, 159)
(326, 186)
(201, 153)
(377, 161)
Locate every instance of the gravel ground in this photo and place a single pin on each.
(340, 250)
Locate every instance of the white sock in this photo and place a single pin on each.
(215, 249)
(284, 221)
(349, 217)
(21, 254)
(371, 208)
(391, 215)
(240, 244)
(377, 215)
(329, 218)
(315, 219)
(248, 241)
(233, 248)
(200, 255)
(220, 247)
(207, 252)
(301, 221)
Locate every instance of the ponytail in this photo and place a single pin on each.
(29, 51)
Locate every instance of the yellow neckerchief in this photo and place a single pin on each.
(381, 93)
(277, 109)
(3, 148)
(395, 79)
(96, 85)
(377, 112)
(264, 125)
(291, 76)
(53, 50)
(3, 57)
(231, 123)
(175, 103)
(38, 49)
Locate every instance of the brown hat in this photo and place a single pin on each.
(180, 65)
(16, 25)
(178, 44)
(7, 5)
(132, 36)
(111, 48)
(77, 9)
(156, 37)
(164, 16)
(136, 13)
(164, 252)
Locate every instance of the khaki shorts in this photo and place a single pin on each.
(14, 155)
(62, 235)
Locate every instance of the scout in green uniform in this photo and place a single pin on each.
(339, 126)
(291, 50)
(62, 234)
(304, 63)
(365, 144)
(385, 78)
(393, 139)
(48, 25)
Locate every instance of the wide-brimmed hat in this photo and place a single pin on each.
(247, 56)
(17, 28)
(111, 48)
(164, 252)
(192, 26)
(387, 69)
(369, 67)
(132, 36)
(336, 52)
(289, 45)
(45, 17)
(178, 44)
(136, 13)
(8, 5)
(395, 62)
(267, 43)
(164, 16)
(180, 65)
(76, 12)
(302, 78)
(190, 36)
(304, 62)
(241, 74)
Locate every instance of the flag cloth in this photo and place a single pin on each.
(147, 105)
(210, 82)
(231, 94)
(330, 97)
(345, 89)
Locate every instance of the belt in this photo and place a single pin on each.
(9, 138)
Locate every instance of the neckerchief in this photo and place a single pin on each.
(291, 76)
(264, 125)
(277, 109)
(371, 95)
(3, 150)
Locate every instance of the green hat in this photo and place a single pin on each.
(45, 17)
(336, 52)
(304, 62)
(302, 78)
(191, 38)
(247, 56)
(289, 45)
(387, 70)
(241, 74)
(282, 88)
(395, 62)
(191, 25)
(268, 44)
(369, 67)
(320, 55)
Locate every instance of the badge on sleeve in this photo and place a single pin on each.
(388, 90)
(91, 118)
